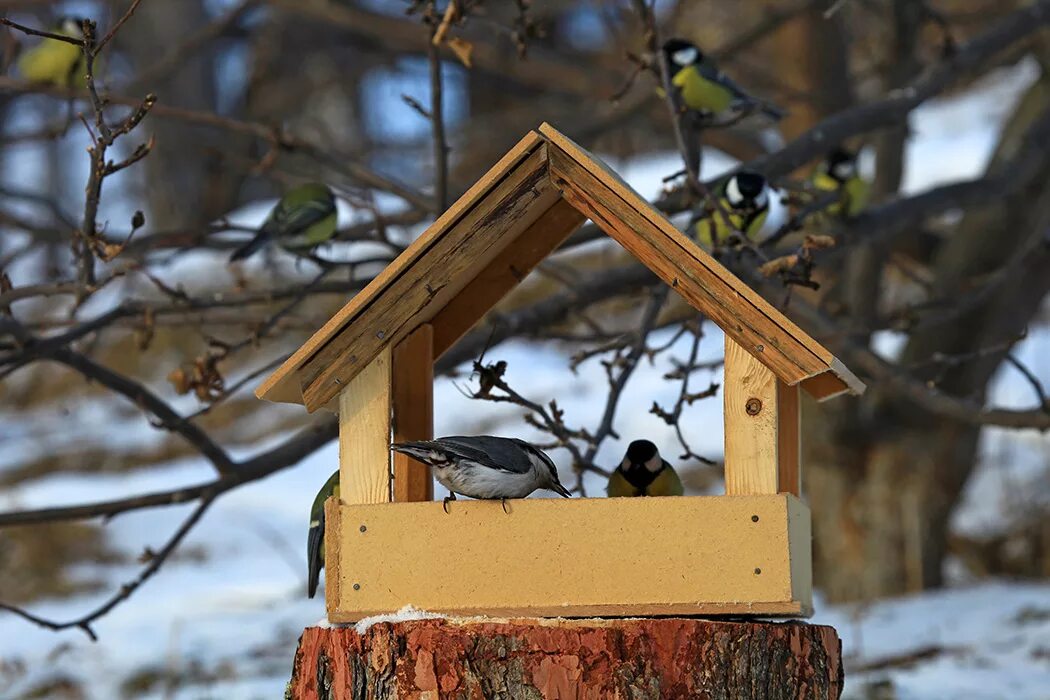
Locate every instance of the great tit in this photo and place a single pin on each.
(744, 196)
(303, 219)
(315, 538)
(484, 466)
(705, 89)
(643, 472)
(54, 62)
(838, 173)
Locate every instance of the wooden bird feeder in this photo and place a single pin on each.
(388, 544)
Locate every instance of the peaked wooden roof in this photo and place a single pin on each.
(509, 221)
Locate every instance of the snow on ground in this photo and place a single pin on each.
(989, 641)
(231, 622)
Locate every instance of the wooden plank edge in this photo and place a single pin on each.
(786, 608)
(333, 538)
(412, 395)
(601, 171)
(277, 383)
(720, 300)
(800, 554)
(831, 383)
(561, 219)
(526, 186)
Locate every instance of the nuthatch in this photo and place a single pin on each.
(483, 466)
(643, 472)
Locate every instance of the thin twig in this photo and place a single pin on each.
(126, 590)
(437, 118)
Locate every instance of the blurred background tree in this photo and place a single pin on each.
(253, 96)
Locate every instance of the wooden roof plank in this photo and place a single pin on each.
(281, 385)
(615, 182)
(431, 281)
(504, 273)
(753, 331)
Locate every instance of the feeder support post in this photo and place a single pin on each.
(364, 434)
(761, 427)
(413, 411)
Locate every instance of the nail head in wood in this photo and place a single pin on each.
(753, 406)
(754, 519)
(357, 586)
(363, 528)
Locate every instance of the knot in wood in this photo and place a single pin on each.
(753, 406)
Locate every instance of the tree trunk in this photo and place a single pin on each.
(884, 476)
(637, 659)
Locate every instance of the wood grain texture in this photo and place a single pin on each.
(751, 441)
(504, 273)
(749, 306)
(282, 385)
(461, 266)
(332, 553)
(673, 261)
(789, 440)
(835, 383)
(413, 411)
(748, 296)
(536, 564)
(800, 544)
(424, 288)
(562, 659)
(364, 434)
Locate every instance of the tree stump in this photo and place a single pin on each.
(601, 658)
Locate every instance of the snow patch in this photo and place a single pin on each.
(405, 614)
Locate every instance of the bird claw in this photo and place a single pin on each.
(444, 502)
(503, 502)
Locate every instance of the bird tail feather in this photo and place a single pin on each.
(250, 247)
(314, 555)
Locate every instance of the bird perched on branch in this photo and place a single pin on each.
(704, 88)
(643, 472)
(838, 172)
(54, 62)
(744, 197)
(315, 538)
(485, 467)
(304, 218)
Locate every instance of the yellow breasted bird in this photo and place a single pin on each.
(55, 62)
(315, 538)
(744, 196)
(643, 472)
(704, 88)
(304, 218)
(838, 173)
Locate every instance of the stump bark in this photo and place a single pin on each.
(635, 659)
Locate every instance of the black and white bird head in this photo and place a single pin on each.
(71, 26)
(841, 164)
(642, 454)
(553, 483)
(681, 53)
(747, 190)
